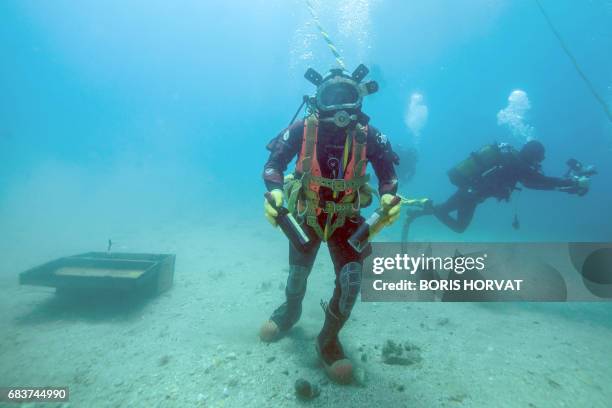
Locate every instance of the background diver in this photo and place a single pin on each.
(333, 145)
(494, 171)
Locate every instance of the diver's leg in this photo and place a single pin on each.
(287, 314)
(348, 267)
(454, 203)
(465, 214)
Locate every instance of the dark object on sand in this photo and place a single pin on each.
(306, 391)
(105, 272)
(400, 354)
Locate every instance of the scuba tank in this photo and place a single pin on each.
(359, 239)
(290, 227)
(465, 173)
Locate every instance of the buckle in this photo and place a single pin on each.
(330, 207)
(339, 185)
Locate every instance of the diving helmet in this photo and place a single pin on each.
(339, 94)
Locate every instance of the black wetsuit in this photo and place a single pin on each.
(498, 183)
(347, 262)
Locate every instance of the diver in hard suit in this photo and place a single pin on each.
(333, 144)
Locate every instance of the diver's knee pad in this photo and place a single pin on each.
(350, 283)
(296, 281)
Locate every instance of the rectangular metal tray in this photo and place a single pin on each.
(105, 271)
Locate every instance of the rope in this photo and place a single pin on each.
(586, 80)
(325, 36)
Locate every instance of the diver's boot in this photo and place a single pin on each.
(269, 332)
(337, 366)
(287, 314)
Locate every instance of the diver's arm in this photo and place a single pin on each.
(538, 181)
(283, 148)
(383, 159)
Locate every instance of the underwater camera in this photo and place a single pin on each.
(576, 168)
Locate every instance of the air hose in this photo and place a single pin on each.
(579, 70)
(330, 44)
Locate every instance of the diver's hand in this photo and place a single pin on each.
(269, 211)
(580, 185)
(583, 184)
(392, 213)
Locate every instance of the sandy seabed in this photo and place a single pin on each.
(197, 345)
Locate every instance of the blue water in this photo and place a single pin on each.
(182, 97)
(116, 116)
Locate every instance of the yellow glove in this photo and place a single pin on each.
(393, 213)
(269, 211)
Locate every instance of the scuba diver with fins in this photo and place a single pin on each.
(494, 171)
(324, 195)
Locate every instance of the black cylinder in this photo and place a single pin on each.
(359, 239)
(290, 227)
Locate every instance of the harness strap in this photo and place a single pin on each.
(309, 145)
(332, 207)
(346, 154)
(353, 165)
(337, 185)
(330, 227)
(292, 191)
(362, 162)
(312, 221)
